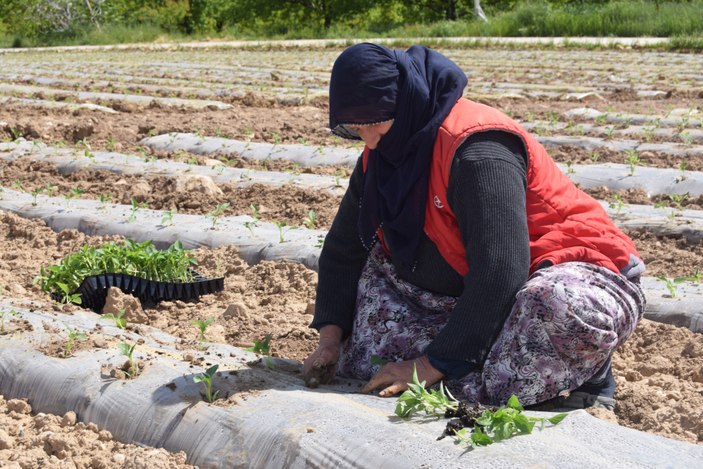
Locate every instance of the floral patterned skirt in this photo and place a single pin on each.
(565, 323)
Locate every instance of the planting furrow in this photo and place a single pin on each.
(114, 97)
(304, 155)
(255, 239)
(646, 133)
(678, 118)
(612, 176)
(69, 161)
(41, 103)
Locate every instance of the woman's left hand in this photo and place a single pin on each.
(395, 376)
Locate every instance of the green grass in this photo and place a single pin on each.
(682, 21)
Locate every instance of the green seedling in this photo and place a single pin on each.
(16, 134)
(632, 158)
(249, 225)
(311, 221)
(503, 423)
(255, 214)
(671, 283)
(569, 168)
(320, 241)
(418, 399)
(17, 185)
(128, 351)
(167, 219)
(215, 214)
(111, 144)
(66, 294)
(120, 321)
(135, 208)
(86, 149)
(263, 347)
(73, 335)
(3, 314)
(206, 379)
(35, 194)
(50, 189)
(282, 230)
(73, 193)
(595, 156)
(202, 325)
(683, 166)
(617, 204)
(104, 199)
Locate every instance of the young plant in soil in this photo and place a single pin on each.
(202, 325)
(671, 283)
(73, 335)
(167, 219)
(488, 425)
(120, 321)
(263, 347)
(311, 221)
(282, 230)
(104, 199)
(135, 208)
(3, 314)
(139, 259)
(128, 351)
(217, 213)
(73, 193)
(632, 158)
(206, 379)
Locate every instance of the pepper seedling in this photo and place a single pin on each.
(120, 321)
(128, 350)
(215, 214)
(311, 221)
(202, 325)
(416, 398)
(73, 335)
(263, 347)
(206, 379)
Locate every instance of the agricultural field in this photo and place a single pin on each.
(227, 150)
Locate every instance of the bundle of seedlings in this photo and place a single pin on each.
(139, 269)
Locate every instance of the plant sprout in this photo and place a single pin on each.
(167, 219)
(217, 213)
(104, 199)
(282, 229)
(263, 347)
(632, 159)
(128, 350)
(35, 194)
(311, 221)
(206, 379)
(202, 325)
(73, 335)
(416, 399)
(120, 321)
(617, 204)
(12, 312)
(135, 208)
(255, 214)
(73, 193)
(671, 283)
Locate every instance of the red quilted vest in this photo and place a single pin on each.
(564, 223)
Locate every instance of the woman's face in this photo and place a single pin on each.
(371, 134)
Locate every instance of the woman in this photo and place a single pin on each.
(461, 249)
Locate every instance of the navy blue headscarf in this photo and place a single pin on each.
(416, 88)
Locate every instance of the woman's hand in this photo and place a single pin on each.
(395, 376)
(320, 366)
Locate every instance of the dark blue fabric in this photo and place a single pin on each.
(418, 89)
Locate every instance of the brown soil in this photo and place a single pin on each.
(45, 440)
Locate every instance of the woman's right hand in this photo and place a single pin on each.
(320, 366)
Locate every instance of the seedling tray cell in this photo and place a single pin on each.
(94, 288)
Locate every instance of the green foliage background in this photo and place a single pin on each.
(46, 22)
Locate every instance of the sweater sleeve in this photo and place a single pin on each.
(341, 261)
(486, 192)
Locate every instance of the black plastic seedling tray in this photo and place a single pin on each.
(94, 289)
